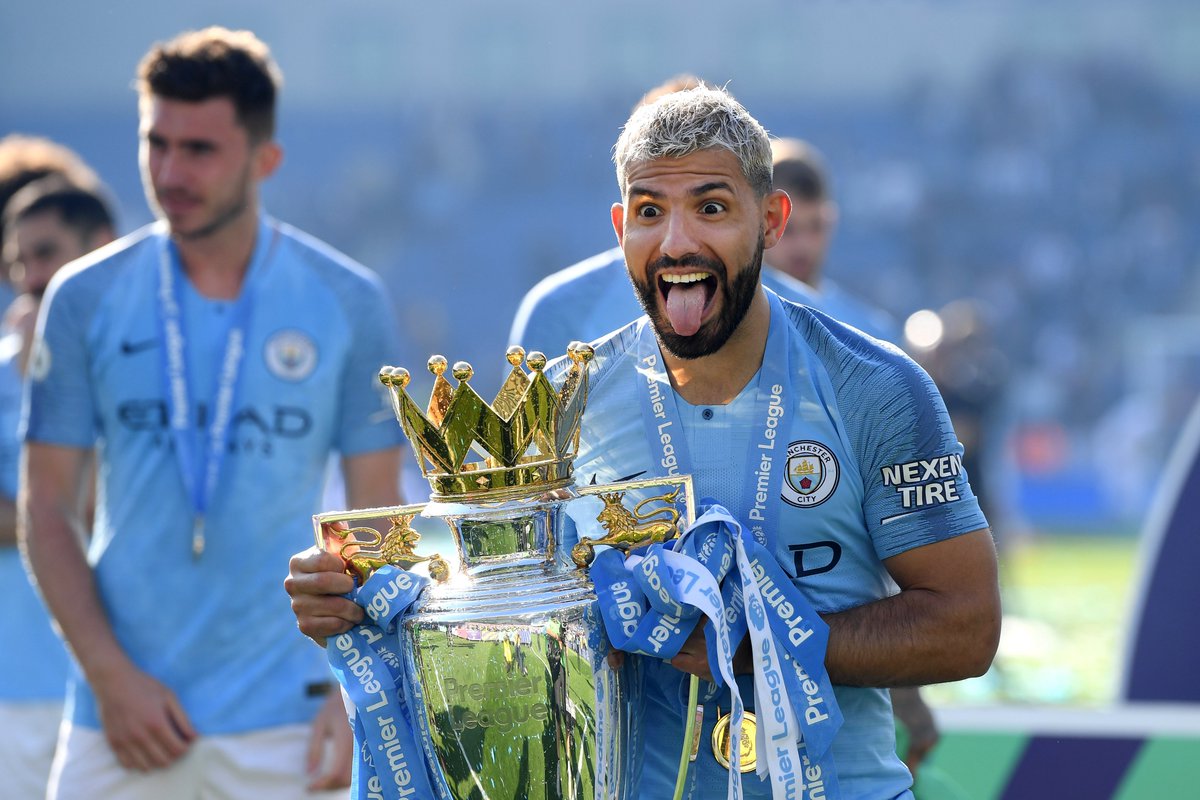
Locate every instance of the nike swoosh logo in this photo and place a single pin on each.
(895, 517)
(129, 348)
(620, 480)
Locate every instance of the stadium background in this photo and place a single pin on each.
(1041, 159)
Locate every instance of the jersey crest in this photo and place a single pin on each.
(812, 474)
(290, 355)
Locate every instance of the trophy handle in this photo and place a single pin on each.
(365, 549)
(629, 530)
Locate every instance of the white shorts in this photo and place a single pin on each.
(262, 765)
(28, 732)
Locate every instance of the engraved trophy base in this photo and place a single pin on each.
(508, 658)
(511, 661)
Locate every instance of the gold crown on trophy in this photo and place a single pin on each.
(525, 440)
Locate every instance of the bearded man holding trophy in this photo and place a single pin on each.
(839, 550)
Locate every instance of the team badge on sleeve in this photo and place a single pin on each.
(39, 360)
(290, 355)
(812, 474)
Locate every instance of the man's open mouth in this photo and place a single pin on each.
(687, 297)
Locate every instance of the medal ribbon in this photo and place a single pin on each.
(660, 417)
(798, 713)
(201, 470)
(393, 754)
(649, 606)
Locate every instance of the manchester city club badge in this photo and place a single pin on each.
(812, 474)
(290, 355)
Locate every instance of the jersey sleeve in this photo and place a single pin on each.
(59, 407)
(916, 491)
(540, 325)
(367, 422)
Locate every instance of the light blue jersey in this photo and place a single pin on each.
(33, 663)
(594, 297)
(215, 628)
(873, 469)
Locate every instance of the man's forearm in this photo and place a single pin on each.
(911, 639)
(68, 587)
(944, 625)
(8, 523)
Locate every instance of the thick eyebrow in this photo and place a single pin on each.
(713, 186)
(641, 191)
(154, 137)
(702, 189)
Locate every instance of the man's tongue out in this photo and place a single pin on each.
(685, 306)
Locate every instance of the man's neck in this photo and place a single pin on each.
(217, 264)
(717, 379)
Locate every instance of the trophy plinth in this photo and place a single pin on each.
(507, 657)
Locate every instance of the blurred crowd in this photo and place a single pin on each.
(1057, 195)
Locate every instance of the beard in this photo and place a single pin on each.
(229, 210)
(224, 216)
(714, 333)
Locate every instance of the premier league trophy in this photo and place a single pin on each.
(501, 664)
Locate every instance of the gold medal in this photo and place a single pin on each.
(746, 749)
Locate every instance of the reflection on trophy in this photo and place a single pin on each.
(507, 653)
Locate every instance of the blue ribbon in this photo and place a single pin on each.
(649, 605)
(393, 755)
(644, 610)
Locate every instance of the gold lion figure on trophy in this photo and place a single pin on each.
(629, 530)
(397, 547)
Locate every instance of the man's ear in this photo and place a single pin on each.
(267, 158)
(618, 221)
(776, 208)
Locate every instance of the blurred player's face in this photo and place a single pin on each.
(40, 244)
(199, 167)
(801, 250)
(693, 232)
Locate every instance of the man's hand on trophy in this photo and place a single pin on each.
(144, 723)
(693, 656)
(316, 582)
(330, 746)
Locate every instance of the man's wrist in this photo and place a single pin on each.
(743, 663)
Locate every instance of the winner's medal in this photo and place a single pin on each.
(721, 742)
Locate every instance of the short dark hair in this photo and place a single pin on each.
(24, 159)
(799, 169)
(84, 210)
(216, 62)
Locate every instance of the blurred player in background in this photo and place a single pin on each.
(47, 223)
(800, 171)
(214, 360)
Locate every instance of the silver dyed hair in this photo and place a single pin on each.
(680, 123)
